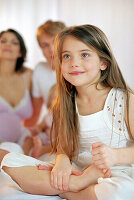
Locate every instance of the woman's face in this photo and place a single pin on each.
(47, 46)
(9, 47)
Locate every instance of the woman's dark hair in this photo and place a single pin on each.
(20, 60)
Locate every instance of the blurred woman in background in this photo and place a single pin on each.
(15, 86)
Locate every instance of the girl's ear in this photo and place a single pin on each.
(104, 65)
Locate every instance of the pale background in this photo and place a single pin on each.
(114, 17)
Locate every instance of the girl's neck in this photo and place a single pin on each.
(7, 68)
(91, 100)
(89, 92)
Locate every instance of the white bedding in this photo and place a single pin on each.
(10, 192)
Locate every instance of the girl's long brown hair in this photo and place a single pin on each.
(65, 126)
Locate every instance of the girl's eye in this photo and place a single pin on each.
(66, 56)
(85, 55)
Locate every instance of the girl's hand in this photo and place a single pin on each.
(103, 156)
(61, 172)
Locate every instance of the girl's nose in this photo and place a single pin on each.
(75, 61)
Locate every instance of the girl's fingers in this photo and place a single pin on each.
(96, 157)
(96, 151)
(59, 183)
(97, 144)
(65, 182)
(99, 164)
(55, 182)
(51, 180)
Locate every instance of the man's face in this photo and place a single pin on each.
(46, 43)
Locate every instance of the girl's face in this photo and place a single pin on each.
(81, 64)
(47, 46)
(9, 46)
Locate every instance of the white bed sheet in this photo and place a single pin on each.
(10, 192)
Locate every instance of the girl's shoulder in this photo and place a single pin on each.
(114, 109)
(116, 99)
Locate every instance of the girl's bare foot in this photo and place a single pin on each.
(88, 177)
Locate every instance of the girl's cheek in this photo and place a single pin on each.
(63, 69)
(63, 74)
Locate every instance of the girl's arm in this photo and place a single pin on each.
(106, 157)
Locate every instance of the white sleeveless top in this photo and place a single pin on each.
(94, 128)
(107, 126)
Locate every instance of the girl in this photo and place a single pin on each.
(92, 123)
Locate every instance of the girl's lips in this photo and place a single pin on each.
(75, 73)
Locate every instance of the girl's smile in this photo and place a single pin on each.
(76, 73)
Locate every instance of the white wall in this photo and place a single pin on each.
(114, 17)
